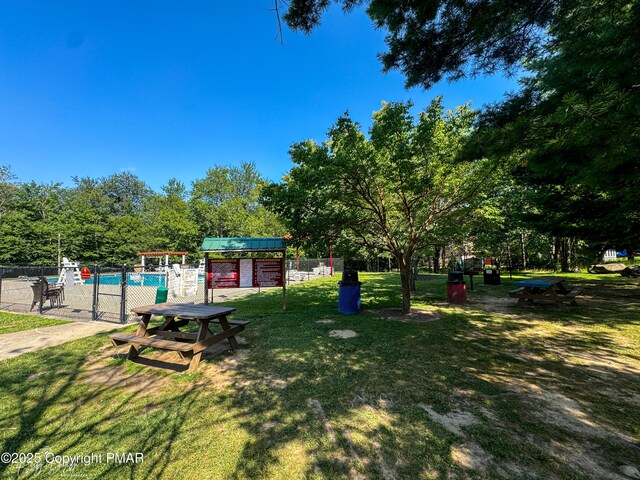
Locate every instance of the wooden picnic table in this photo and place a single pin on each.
(168, 336)
(551, 289)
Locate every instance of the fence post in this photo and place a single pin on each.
(123, 295)
(206, 278)
(96, 287)
(41, 282)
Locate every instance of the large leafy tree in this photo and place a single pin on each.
(391, 191)
(226, 203)
(31, 223)
(168, 221)
(576, 126)
(126, 193)
(86, 220)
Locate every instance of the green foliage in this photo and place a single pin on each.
(168, 221)
(226, 203)
(576, 127)
(126, 193)
(111, 219)
(433, 39)
(396, 191)
(27, 230)
(7, 187)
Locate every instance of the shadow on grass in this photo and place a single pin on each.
(391, 369)
(305, 404)
(60, 414)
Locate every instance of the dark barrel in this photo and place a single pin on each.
(349, 293)
(455, 277)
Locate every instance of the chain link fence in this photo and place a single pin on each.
(109, 293)
(305, 269)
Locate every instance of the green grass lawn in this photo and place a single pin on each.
(14, 322)
(484, 390)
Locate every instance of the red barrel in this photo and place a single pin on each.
(457, 292)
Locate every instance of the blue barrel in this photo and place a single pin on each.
(349, 298)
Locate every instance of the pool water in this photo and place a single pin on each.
(135, 279)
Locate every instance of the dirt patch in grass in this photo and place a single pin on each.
(100, 371)
(415, 315)
(220, 374)
(453, 421)
(465, 452)
(343, 333)
(557, 411)
(470, 455)
(110, 369)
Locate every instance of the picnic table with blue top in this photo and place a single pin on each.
(551, 289)
(168, 335)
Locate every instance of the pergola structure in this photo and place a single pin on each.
(246, 245)
(166, 255)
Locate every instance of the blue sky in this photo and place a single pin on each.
(169, 89)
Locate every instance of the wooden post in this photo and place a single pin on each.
(284, 280)
(330, 259)
(206, 278)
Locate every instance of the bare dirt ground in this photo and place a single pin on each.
(416, 315)
(563, 351)
(108, 368)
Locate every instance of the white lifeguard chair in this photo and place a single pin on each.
(165, 266)
(70, 268)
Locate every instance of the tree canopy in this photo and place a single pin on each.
(576, 127)
(109, 220)
(393, 191)
(433, 39)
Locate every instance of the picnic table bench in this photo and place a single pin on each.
(549, 289)
(168, 336)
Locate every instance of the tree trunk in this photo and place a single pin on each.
(436, 260)
(630, 254)
(554, 257)
(564, 255)
(405, 278)
(523, 249)
(414, 275)
(573, 254)
(412, 282)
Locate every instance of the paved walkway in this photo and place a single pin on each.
(14, 344)
(17, 343)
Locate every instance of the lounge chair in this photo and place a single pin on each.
(42, 289)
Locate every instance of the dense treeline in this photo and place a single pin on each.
(109, 220)
(566, 146)
(564, 154)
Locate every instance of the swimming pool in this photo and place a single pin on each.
(136, 279)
